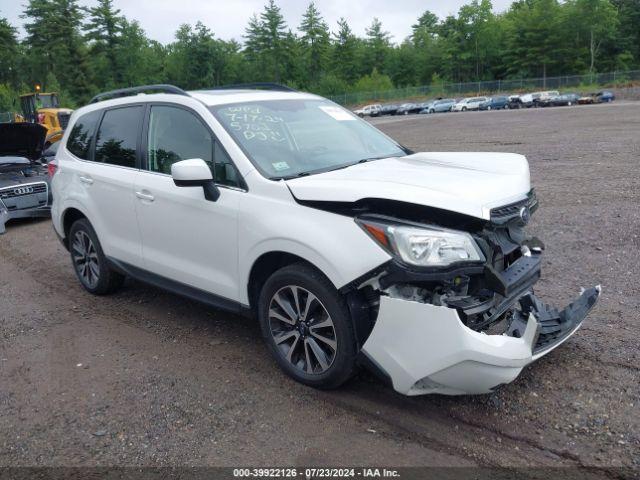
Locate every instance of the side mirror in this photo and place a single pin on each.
(195, 173)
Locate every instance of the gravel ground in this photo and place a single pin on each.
(147, 378)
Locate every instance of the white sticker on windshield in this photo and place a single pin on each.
(279, 166)
(337, 113)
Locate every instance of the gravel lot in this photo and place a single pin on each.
(147, 378)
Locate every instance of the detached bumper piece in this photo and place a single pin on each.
(425, 348)
(556, 326)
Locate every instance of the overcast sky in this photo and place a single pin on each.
(228, 18)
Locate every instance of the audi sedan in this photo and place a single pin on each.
(24, 181)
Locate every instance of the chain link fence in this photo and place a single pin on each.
(490, 87)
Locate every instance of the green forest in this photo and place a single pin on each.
(80, 51)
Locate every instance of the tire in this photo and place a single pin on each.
(89, 261)
(335, 363)
(489, 108)
(464, 109)
(432, 111)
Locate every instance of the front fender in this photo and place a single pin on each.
(333, 243)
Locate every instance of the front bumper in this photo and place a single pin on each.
(425, 348)
(33, 205)
(37, 212)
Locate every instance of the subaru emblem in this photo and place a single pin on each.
(525, 215)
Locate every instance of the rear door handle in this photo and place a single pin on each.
(145, 196)
(87, 180)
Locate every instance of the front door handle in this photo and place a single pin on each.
(87, 180)
(145, 196)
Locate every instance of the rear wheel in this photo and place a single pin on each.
(89, 261)
(307, 327)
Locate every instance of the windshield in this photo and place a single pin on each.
(291, 138)
(47, 100)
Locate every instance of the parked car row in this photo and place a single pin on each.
(550, 98)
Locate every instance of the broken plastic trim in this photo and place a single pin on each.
(424, 348)
(555, 326)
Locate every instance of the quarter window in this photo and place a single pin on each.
(82, 133)
(118, 136)
(225, 171)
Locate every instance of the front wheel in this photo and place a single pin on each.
(307, 327)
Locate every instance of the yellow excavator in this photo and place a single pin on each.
(44, 108)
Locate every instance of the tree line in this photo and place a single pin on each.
(79, 51)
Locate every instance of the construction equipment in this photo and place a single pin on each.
(44, 108)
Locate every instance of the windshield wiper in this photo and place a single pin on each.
(370, 159)
(289, 177)
(339, 167)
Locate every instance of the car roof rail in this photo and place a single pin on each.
(276, 87)
(125, 92)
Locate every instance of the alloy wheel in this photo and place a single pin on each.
(302, 329)
(85, 259)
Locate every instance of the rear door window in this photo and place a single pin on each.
(81, 136)
(117, 138)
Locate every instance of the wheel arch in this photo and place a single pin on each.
(266, 265)
(69, 216)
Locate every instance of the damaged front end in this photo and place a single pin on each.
(465, 327)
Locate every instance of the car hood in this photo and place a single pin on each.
(467, 183)
(22, 140)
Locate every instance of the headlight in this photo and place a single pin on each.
(423, 246)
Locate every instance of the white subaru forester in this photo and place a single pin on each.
(347, 247)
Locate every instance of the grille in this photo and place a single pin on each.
(63, 118)
(23, 190)
(507, 212)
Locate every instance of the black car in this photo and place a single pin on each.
(24, 182)
(388, 109)
(564, 100)
(515, 102)
(407, 108)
